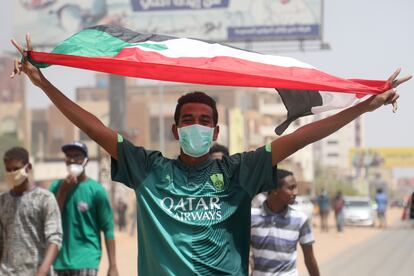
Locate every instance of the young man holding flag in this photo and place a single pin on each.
(194, 213)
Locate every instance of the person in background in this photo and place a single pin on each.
(217, 151)
(382, 201)
(121, 209)
(408, 210)
(323, 203)
(338, 207)
(277, 228)
(86, 212)
(30, 224)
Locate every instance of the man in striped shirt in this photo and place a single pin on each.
(276, 230)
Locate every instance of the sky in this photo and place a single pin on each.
(368, 39)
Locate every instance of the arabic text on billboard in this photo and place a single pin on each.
(166, 5)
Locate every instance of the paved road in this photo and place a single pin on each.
(387, 253)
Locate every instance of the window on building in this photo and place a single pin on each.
(8, 126)
(155, 129)
(57, 133)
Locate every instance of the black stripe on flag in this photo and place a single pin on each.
(298, 103)
(129, 36)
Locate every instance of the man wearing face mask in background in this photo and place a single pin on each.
(86, 211)
(30, 226)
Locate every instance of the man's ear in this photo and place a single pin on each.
(29, 167)
(174, 131)
(216, 132)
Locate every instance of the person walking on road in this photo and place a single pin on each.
(382, 201)
(30, 224)
(323, 203)
(338, 206)
(121, 209)
(276, 230)
(86, 212)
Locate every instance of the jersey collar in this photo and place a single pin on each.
(198, 167)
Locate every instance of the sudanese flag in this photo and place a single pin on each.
(117, 50)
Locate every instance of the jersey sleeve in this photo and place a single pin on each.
(255, 170)
(305, 233)
(133, 164)
(105, 214)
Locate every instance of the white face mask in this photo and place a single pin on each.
(76, 169)
(195, 140)
(16, 178)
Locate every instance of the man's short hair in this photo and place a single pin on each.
(16, 153)
(279, 175)
(196, 97)
(219, 148)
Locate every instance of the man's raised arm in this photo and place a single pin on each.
(286, 145)
(84, 120)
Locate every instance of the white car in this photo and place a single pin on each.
(304, 204)
(358, 211)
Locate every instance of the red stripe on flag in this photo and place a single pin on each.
(221, 70)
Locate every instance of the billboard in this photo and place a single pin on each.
(51, 21)
(382, 157)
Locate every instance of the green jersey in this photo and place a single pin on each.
(193, 220)
(85, 214)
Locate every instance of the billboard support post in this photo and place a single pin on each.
(117, 113)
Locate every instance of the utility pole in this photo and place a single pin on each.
(117, 112)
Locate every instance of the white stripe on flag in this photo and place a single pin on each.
(333, 101)
(185, 47)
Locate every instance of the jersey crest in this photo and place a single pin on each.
(218, 181)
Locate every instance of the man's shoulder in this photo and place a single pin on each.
(92, 183)
(55, 184)
(94, 186)
(257, 211)
(297, 214)
(42, 194)
(127, 146)
(4, 195)
(42, 191)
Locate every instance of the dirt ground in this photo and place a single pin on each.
(327, 245)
